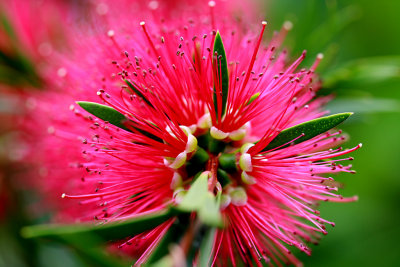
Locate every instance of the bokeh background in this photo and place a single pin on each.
(361, 43)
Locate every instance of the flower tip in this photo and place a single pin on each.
(142, 23)
(320, 56)
(287, 25)
(211, 3)
(360, 145)
(264, 22)
(153, 5)
(110, 33)
(63, 195)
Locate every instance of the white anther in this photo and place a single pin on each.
(193, 128)
(179, 161)
(225, 201)
(218, 134)
(238, 196)
(246, 147)
(178, 195)
(176, 181)
(238, 134)
(204, 122)
(245, 162)
(185, 129)
(248, 179)
(191, 144)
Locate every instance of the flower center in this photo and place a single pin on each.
(224, 154)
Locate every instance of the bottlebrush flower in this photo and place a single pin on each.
(190, 99)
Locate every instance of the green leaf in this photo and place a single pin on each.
(93, 255)
(109, 114)
(105, 113)
(364, 105)
(109, 231)
(362, 73)
(222, 72)
(209, 212)
(16, 69)
(206, 248)
(308, 129)
(6, 25)
(138, 93)
(196, 195)
(199, 199)
(174, 234)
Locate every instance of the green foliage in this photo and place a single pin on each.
(112, 116)
(105, 113)
(16, 69)
(199, 199)
(306, 130)
(138, 93)
(363, 72)
(206, 248)
(109, 231)
(222, 73)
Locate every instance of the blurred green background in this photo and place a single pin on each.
(361, 43)
(367, 34)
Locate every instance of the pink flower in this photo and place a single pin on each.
(164, 77)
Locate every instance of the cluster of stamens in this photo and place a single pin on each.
(223, 155)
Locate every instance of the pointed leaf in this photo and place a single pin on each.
(138, 93)
(200, 200)
(110, 231)
(222, 72)
(209, 212)
(196, 195)
(308, 129)
(109, 114)
(105, 113)
(172, 237)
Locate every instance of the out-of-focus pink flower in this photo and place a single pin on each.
(37, 27)
(161, 74)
